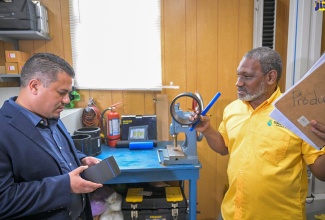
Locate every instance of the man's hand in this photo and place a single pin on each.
(89, 161)
(80, 185)
(318, 129)
(203, 124)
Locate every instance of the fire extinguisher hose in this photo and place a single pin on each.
(91, 115)
(102, 122)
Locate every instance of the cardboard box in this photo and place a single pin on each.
(15, 56)
(14, 68)
(304, 102)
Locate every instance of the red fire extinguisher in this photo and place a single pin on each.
(113, 134)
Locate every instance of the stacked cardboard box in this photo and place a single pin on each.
(15, 61)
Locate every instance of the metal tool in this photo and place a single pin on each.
(186, 152)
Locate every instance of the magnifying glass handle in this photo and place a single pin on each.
(203, 113)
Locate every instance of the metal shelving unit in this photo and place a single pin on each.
(9, 77)
(14, 36)
(23, 35)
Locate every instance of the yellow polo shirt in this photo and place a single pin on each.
(267, 165)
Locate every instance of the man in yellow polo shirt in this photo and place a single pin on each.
(267, 167)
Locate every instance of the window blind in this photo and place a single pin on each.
(116, 44)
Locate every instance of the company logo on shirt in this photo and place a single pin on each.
(275, 123)
(319, 6)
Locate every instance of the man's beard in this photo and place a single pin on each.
(252, 97)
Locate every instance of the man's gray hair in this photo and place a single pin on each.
(269, 59)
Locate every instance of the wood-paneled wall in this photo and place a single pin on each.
(202, 44)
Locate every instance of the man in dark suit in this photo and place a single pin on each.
(40, 169)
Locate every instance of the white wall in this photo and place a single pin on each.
(7, 92)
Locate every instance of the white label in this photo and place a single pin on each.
(303, 121)
(98, 144)
(114, 126)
